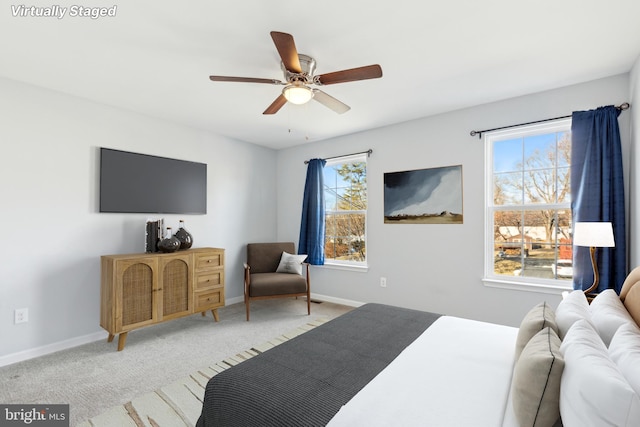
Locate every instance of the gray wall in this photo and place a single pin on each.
(52, 233)
(54, 236)
(634, 162)
(434, 267)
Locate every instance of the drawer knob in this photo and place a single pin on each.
(209, 260)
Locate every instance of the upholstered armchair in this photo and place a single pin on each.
(273, 271)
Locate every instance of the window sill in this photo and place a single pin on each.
(550, 288)
(347, 267)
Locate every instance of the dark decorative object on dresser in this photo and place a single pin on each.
(185, 238)
(170, 243)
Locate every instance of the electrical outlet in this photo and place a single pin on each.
(383, 282)
(21, 315)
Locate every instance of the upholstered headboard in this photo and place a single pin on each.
(630, 294)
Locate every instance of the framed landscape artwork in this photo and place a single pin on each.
(424, 196)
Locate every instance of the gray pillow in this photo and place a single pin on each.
(538, 318)
(290, 263)
(536, 381)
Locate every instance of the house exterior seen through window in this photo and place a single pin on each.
(528, 205)
(345, 192)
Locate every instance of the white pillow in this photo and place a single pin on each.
(290, 263)
(572, 308)
(625, 352)
(593, 392)
(608, 314)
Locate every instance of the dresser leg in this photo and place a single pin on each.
(122, 339)
(215, 314)
(110, 338)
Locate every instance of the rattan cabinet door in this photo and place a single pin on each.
(175, 286)
(135, 293)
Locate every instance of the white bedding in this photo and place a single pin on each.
(457, 373)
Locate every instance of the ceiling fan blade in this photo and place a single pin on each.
(276, 105)
(244, 80)
(330, 102)
(353, 74)
(287, 50)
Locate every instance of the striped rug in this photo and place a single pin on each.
(179, 404)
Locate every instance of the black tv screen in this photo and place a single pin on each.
(140, 183)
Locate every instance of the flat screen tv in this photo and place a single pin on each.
(140, 183)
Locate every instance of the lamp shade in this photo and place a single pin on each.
(297, 94)
(593, 234)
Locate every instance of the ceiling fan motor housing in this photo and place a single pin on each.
(308, 66)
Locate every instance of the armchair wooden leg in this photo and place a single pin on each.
(247, 306)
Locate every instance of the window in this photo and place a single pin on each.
(528, 206)
(345, 192)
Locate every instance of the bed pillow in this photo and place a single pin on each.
(536, 381)
(592, 389)
(608, 314)
(290, 263)
(625, 352)
(572, 308)
(632, 303)
(538, 318)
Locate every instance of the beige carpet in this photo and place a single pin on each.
(161, 373)
(180, 403)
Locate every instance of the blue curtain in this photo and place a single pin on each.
(312, 225)
(597, 194)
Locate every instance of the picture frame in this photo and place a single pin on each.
(424, 196)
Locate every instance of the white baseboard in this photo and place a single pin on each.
(31, 353)
(335, 300)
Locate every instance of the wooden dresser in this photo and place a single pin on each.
(138, 290)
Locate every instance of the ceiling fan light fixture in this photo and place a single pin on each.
(297, 94)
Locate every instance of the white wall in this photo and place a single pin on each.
(634, 161)
(52, 233)
(434, 267)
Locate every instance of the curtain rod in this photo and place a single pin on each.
(621, 107)
(368, 153)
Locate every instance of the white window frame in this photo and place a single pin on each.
(351, 265)
(533, 284)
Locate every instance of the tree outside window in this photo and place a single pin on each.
(345, 191)
(529, 208)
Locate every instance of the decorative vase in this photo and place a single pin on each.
(185, 238)
(170, 243)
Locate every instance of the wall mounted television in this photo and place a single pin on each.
(141, 183)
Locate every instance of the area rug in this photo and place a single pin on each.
(180, 403)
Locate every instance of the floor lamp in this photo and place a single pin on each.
(593, 235)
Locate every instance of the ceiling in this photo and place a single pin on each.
(155, 57)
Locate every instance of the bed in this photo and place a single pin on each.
(574, 365)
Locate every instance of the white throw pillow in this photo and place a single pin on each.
(593, 392)
(572, 308)
(290, 263)
(625, 352)
(608, 314)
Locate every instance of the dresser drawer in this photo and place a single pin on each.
(205, 280)
(208, 260)
(208, 300)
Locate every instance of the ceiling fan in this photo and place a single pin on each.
(299, 75)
